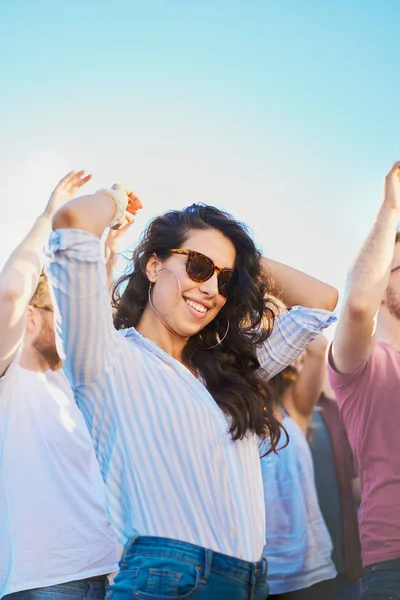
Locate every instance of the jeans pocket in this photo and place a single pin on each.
(174, 580)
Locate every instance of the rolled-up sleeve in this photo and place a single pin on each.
(293, 331)
(85, 332)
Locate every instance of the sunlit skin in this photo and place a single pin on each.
(172, 331)
(392, 297)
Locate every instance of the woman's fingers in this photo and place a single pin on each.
(134, 203)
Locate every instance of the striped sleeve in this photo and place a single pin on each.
(293, 331)
(86, 338)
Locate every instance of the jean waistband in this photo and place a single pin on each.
(386, 565)
(96, 579)
(215, 561)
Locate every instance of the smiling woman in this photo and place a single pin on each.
(175, 388)
(188, 313)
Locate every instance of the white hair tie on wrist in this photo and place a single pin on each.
(121, 202)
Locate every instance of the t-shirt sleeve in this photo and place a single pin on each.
(343, 382)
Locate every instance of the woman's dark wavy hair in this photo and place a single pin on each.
(231, 371)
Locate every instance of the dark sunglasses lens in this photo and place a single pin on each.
(224, 281)
(199, 268)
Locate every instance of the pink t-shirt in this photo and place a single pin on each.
(369, 400)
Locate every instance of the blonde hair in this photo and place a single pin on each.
(41, 295)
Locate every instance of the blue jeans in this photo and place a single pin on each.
(323, 590)
(380, 585)
(153, 568)
(347, 589)
(74, 590)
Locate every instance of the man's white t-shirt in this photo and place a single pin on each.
(53, 522)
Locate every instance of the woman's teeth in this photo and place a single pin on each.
(197, 306)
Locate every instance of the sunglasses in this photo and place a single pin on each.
(200, 268)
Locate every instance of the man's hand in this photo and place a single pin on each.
(392, 187)
(65, 190)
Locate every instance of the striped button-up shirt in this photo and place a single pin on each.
(163, 445)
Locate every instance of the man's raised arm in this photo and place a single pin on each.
(367, 282)
(20, 275)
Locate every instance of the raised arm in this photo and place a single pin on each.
(295, 287)
(93, 213)
(309, 384)
(87, 341)
(311, 302)
(293, 332)
(112, 247)
(367, 282)
(20, 275)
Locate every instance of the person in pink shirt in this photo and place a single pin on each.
(364, 372)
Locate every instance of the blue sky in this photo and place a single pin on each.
(284, 113)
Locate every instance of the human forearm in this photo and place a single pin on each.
(356, 489)
(367, 283)
(310, 381)
(112, 247)
(92, 213)
(110, 260)
(294, 287)
(293, 331)
(84, 325)
(369, 276)
(20, 275)
(18, 281)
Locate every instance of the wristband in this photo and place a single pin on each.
(121, 202)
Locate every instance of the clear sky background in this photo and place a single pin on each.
(286, 114)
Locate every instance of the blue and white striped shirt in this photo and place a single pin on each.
(164, 448)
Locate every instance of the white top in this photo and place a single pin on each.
(53, 524)
(298, 545)
(163, 445)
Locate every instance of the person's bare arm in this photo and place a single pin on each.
(20, 275)
(295, 287)
(93, 213)
(307, 389)
(367, 282)
(112, 247)
(77, 272)
(356, 489)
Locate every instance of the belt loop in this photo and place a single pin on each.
(208, 556)
(126, 549)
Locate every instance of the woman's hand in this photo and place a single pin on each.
(133, 206)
